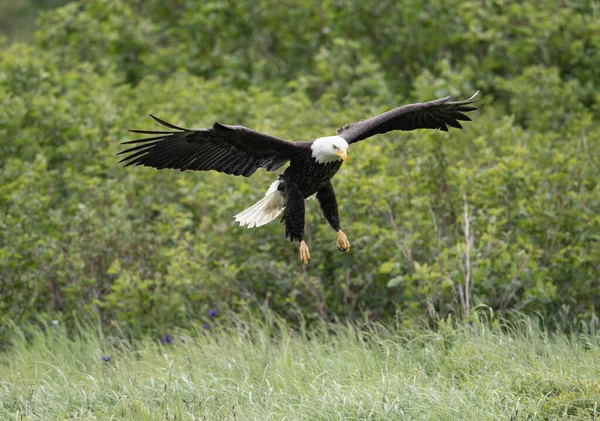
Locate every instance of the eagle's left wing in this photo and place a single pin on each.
(437, 114)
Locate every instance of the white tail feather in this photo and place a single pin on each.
(263, 211)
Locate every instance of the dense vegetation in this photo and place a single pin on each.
(505, 213)
(17, 17)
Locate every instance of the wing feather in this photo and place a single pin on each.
(437, 114)
(461, 116)
(452, 122)
(233, 150)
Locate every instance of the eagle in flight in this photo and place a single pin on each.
(237, 150)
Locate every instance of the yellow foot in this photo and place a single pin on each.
(342, 242)
(304, 253)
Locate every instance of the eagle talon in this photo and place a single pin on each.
(304, 253)
(342, 242)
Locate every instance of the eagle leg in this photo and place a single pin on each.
(342, 242)
(304, 253)
(328, 202)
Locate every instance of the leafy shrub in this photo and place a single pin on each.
(85, 237)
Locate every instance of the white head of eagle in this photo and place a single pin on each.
(329, 149)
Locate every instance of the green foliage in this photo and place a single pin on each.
(17, 17)
(264, 370)
(141, 249)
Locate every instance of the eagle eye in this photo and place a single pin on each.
(335, 148)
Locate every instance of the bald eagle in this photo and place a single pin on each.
(238, 150)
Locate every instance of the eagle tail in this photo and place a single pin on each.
(263, 211)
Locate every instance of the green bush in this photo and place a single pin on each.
(82, 236)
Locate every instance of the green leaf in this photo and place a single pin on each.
(394, 282)
(386, 267)
(114, 268)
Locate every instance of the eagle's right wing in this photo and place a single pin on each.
(234, 150)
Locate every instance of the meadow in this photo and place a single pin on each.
(265, 371)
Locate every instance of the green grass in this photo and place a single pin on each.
(256, 372)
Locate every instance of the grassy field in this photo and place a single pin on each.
(252, 372)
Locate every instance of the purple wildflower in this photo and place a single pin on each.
(167, 339)
(206, 326)
(106, 358)
(212, 313)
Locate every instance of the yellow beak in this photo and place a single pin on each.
(342, 154)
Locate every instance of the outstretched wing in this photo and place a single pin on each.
(437, 114)
(233, 150)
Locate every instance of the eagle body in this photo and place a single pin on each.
(304, 178)
(309, 175)
(237, 150)
(300, 181)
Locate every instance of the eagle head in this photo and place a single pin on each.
(329, 149)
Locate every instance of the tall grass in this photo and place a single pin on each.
(265, 371)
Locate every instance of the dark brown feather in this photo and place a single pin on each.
(437, 114)
(233, 150)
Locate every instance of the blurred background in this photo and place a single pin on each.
(17, 17)
(503, 215)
